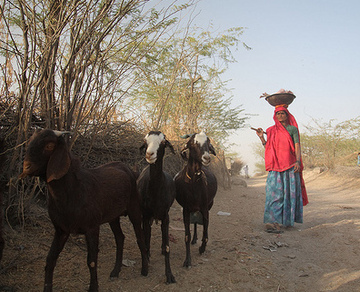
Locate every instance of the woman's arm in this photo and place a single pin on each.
(260, 133)
(297, 165)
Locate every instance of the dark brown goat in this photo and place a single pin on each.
(196, 187)
(2, 242)
(157, 190)
(81, 199)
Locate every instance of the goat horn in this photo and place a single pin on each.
(186, 136)
(60, 133)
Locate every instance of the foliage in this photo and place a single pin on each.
(328, 144)
(180, 80)
(236, 166)
(259, 151)
(63, 53)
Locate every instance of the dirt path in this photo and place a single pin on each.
(320, 255)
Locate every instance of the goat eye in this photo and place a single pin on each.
(50, 146)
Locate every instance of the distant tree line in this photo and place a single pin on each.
(327, 144)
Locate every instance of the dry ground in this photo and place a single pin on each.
(323, 254)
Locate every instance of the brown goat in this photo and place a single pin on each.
(157, 190)
(2, 242)
(81, 199)
(196, 187)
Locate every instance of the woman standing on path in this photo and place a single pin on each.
(285, 187)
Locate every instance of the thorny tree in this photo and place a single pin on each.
(181, 79)
(69, 63)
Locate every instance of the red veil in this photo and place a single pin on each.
(280, 149)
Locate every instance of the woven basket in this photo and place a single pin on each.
(280, 98)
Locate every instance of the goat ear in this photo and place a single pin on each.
(212, 149)
(168, 144)
(142, 148)
(59, 163)
(183, 153)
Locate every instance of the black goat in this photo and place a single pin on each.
(196, 187)
(157, 191)
(81, 199)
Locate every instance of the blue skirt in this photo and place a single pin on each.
(283, 203)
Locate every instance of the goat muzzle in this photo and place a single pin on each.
(206, 159)
(22, 175)
(150, 157)
(26, 169)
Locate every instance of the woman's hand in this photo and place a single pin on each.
(260, 132)
(297, 165)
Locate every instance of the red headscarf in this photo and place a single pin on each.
(280, 148)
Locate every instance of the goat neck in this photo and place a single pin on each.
(193, 171)
(156, 172)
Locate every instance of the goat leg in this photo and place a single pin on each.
(147, 233)
(205, 215)
(135, 218)
(186, 217)
(119, 240)
(194, 239)
(165, 243)
(59, 240)
(2, 242)
(92, 241)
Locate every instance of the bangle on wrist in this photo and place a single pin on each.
(264, 143)
(297, 161)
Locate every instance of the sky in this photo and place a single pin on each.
(311, 47)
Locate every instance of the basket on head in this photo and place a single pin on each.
(280, 98)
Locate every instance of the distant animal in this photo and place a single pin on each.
(157, 191)
(82, 199)
(196, 187)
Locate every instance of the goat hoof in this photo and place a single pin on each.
(94, 288)
(114, 274)
(170, 279)
(144, 272)
(201, 249)
(47, 288)
(187, 264)
(112, 277)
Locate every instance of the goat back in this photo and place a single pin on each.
(92, 196)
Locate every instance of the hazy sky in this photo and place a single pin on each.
(311, 47)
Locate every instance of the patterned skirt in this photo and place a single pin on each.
(283, 198)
